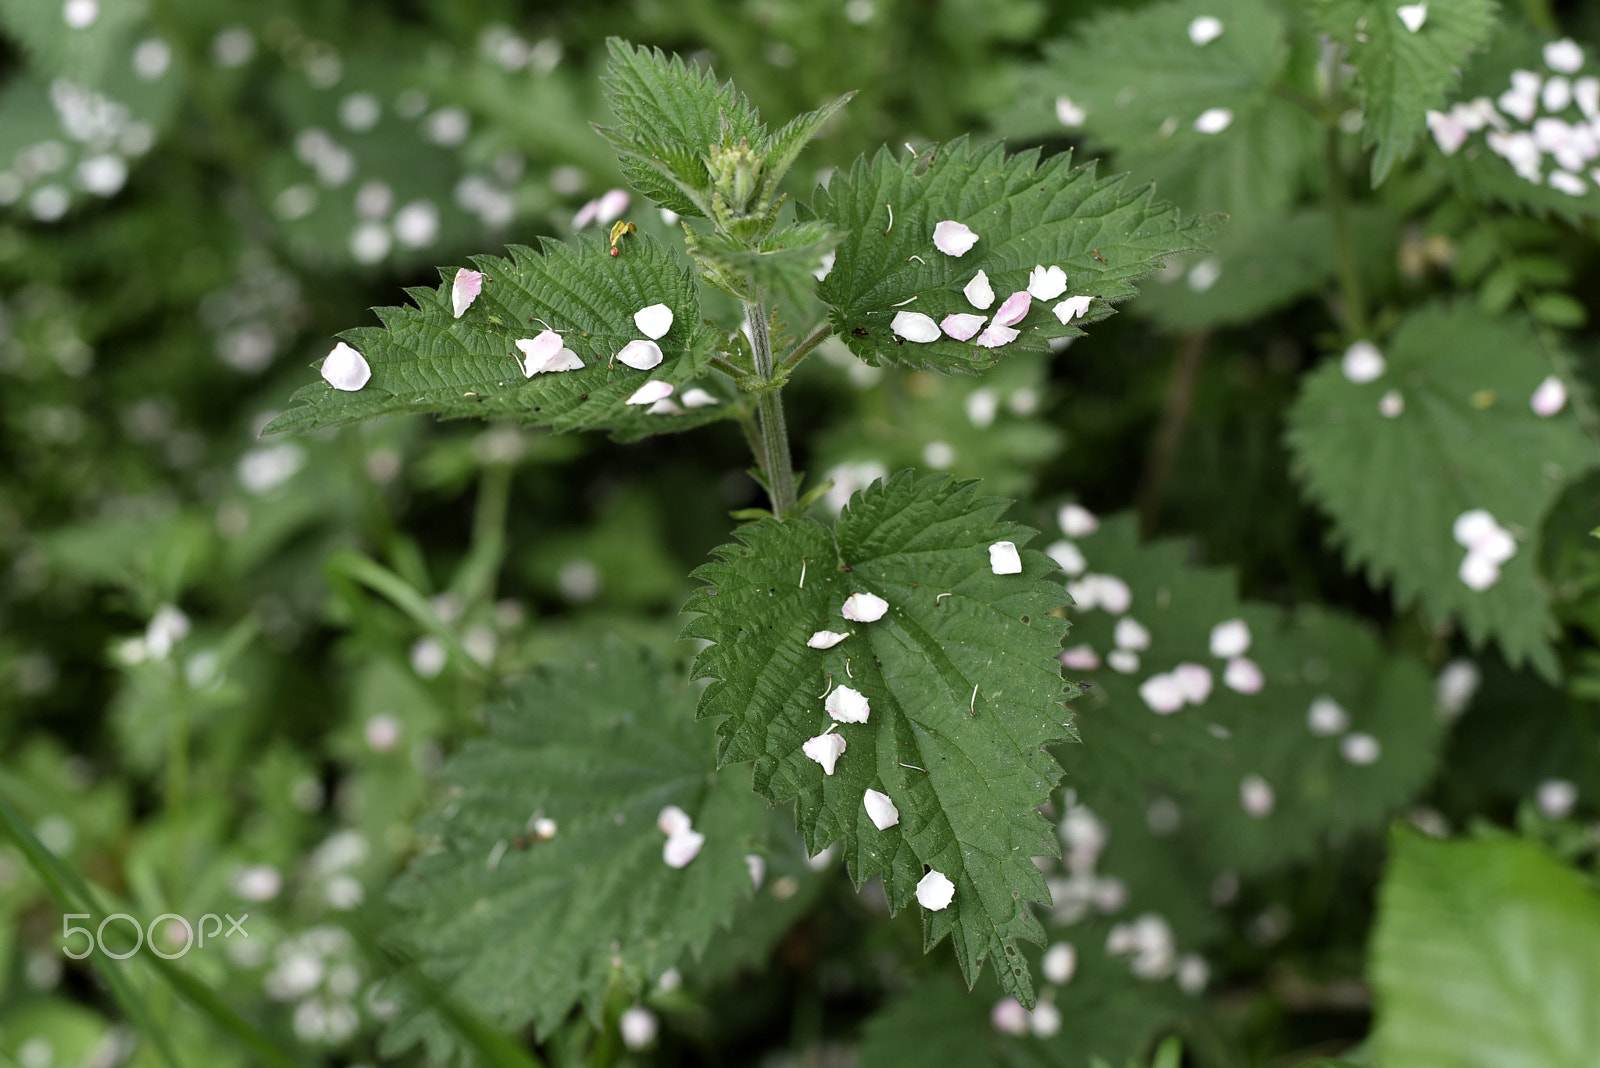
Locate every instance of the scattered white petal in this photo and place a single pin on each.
(640, 355)
(1162, 693)
(1497, 546)
(825, 749)
(1060, 962)
(847, 705)
(1193, 974)
(864, 608)
(1203, 275)
(1242, 675)
(1556, 94)
(979, 293)
(417, 224)
(1479, 572)
(756, 865)
(664, 407)
(650, 392)
(1045, 1020)
(1009, 1017)
(1586, 92)
(880, 810)
(1557, 798)
(103, 175)
(1549, 398)
(915, 326)
(1047, 283)
(1076, 521)
(1069, 114)
(545, 828)
(996, 336)
(166, 628)
(698, 398)
(825, 639)
(1123, 661)
(1453, 690)
(1230, 638)
(1472, 527)
(638, 1027)
(673, 820)
(981, 405)
(370, 242)
(935, 891)
(611, 205)
(682, 847)
(1003, 558)
(1564, 56)
(1129, 633)
(1391, 404)
(382, 732)
(346, 369)
(1363, 362)
(565, 360)
(1449, 133)
(1214, 120)
(1081, 658)
(1113, 594)
(827, 266)
(1360, 749)
(822, 860)
(1204, 30)
(1413, 15)
(80, 14)
(1568, 183)
(1326, 717)
(1194, 681)
(464, 290)
(653, 322)
(258, 882)
(1015, 308)
(939, 455)
(961, 325)
(1068, 557)
(1256, 796)
(538, 351)
(953, 238)
(1072, 308)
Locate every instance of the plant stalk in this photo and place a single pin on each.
(817, 337)
(1355, 309)
(779, 466)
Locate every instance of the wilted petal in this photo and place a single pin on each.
(1071, 308)
(914, 326)
(650, 392)
(825, 749)
(864, 608)
(961, 325)
(346, 369)
(954, 238)
(1015, 308)
(654, 321)
(1047, 283)
(1003, 558)
(995, 336)
(935, 891)
(641, 355)
(465, 290)
(979, 292)
(825, 639)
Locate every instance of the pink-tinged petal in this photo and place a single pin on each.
(961, 326)
(681, 848)
(1081, 658)
(346, 369)
(1194, 681)
(586, 215)
(1015, 308)
(640, 355)
(914, 326)
(953, 238)
(1242, 675)
(673, 820)
(610, 206)
(465, 290)
(650, 392)
(864, 608)
(979, 293)
(1047, 283)
(825, 639)
(1071, 308)
(996, 336)
(538, 351)
(653, 322)
(1549, 398)
(664, 407)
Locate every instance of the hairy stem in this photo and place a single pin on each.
(818, 336)
(769, 407)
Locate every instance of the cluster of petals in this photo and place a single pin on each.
(1044, 283)
(1148, 941)
(1187, 684)
(844, 704)
(1488, 545)
(1101, 591)
(683, 841)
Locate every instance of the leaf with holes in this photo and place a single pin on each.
(961, 683)
(424, 359)
(520, 919)
(1101, 233)
(1464, 438)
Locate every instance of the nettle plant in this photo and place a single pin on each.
(895, 674)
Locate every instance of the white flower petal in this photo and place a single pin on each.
(914, 326)
(1129, 633)
(653, 322)
(953, 238)
(1230, 638)
(756, 865)
(1413, 15)
(664, 407)
(1214, 120)
(825, 639)
(1047, 283)
(640, 355)
(1243, 675)
(1068, 113)
(673, 820)
(1071, 308)
(1362, 362)
(1194, 681)
(847, 705)
(682, 847)
(961, 325)
(1472, 527)
(538, 351)
(1068, 557)
(880, 809)
(1003, 558)
(698, 398)
(996, 336)
(1448, 133)
(1204, 30)
(1081, 658)
(464, 290)
(864, 608)
(1454, 688)
(981, 405)
(979, 293)
(1564, 56)
(565, 360)
(1326, 717)
(1076, 521)
(1009, 1017)
(825, 749)
(1568, 183)
(935, 891)
(1123, 661)
(1015, 308)
(1360, 749)
(1549, 398)
(1256, 796)
(1045, 1019)
(650, 392)
(638, 1025)
(611, 205)
(346, 369)
(827, 266)
(1112, 594)
(1162, 693)
(1060, 962)
(1479, 572)
(1391, 404)
(1556, 798)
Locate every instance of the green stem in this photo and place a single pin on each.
(1355, 310)
(818, 336)
(728, 367)
(476, 580)
(769, 407)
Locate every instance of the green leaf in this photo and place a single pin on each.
(1103, 234)
(1403, 75)
(425, 360)
(1466, 439)
(780, 263)
(1487, 953)
(962, 682)
(785, 146)
(669, 115)
(520, 929)
(1141, 84)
